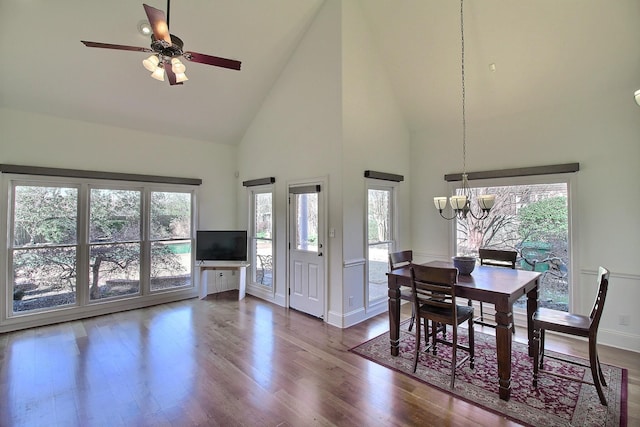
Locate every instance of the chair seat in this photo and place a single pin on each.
(561, 321)
(464, 312)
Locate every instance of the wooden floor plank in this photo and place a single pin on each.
(225, 362)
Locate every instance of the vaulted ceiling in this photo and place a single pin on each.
(519, 55)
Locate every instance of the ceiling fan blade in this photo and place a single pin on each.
(158, 23)
(212, 60)
(115, 46)
(171, 75)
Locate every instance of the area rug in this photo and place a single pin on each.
(555, 402)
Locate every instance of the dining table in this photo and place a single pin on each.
(495, 285)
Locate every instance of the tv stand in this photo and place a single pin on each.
(202, 268)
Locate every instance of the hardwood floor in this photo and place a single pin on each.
(225, 362)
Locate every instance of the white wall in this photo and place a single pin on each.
(39, 140)
(331, 113)
(296, 135)
(374, 138)
(603, 135)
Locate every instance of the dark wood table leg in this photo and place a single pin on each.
(532, 306)
(504, 319)
(394, 315)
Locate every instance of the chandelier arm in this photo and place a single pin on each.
(455, 215)
(485, 214)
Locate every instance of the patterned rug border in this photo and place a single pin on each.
(623, 379)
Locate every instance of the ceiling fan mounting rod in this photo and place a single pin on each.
(168, 7)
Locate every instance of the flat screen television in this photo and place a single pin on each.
(221, 245)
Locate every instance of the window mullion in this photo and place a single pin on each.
(145, 244)
(82, 260)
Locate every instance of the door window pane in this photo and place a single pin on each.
(307, 224)
(43, 252)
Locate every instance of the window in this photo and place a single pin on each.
(261, 235)
(114, 242)
(170, 235)
(533, 219)
(74, 242)
(380, 238)
(44, 246)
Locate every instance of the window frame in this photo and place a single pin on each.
(83, 307)
(265, 290)
(392, 187)
(572, 219)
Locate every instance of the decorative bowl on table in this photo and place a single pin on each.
(464, 264)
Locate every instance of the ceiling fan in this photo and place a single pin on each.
(166, 50)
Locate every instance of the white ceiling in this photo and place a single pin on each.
(546, 52)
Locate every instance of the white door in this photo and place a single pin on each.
(306, 252)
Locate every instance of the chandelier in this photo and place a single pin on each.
(461, 204)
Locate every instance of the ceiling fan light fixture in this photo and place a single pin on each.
(181, 77)
(151, 63)
(177, 66)
(158, 74)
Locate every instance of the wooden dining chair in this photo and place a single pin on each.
(403, 259)
(434, 299)
(495, 258)
(545, 319)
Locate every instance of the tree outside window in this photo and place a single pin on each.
(532, 220)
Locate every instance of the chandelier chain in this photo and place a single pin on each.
(464, 121)
(460, 201)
